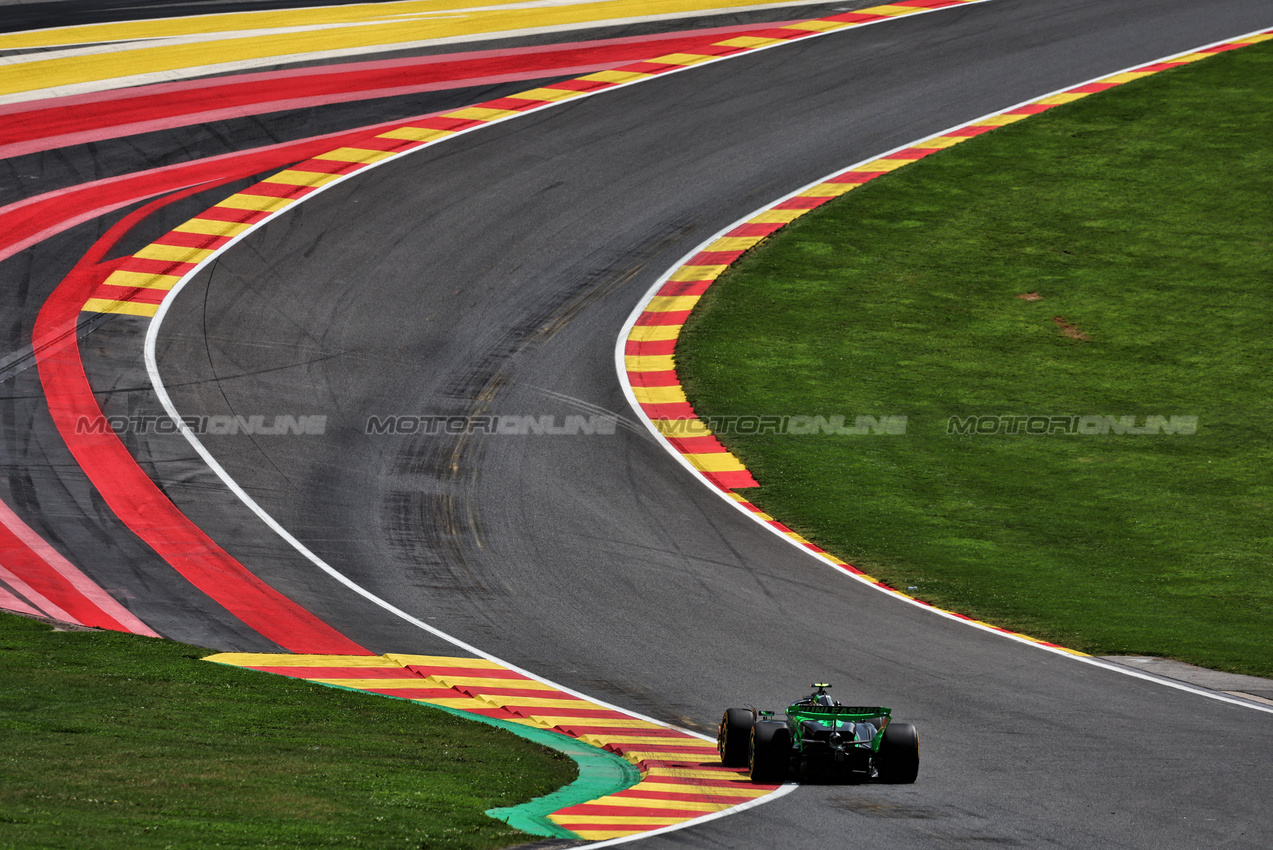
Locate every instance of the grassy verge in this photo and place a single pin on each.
(115, 741)
(1137, 224)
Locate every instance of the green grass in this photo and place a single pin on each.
(109, 740)
(1143, 216)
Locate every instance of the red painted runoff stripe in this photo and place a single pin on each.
(41, 567)
(46, 606)
(9, 602)
(133, 497)
(140, 504)
(30, 221)
(62, 600)
(52, 123)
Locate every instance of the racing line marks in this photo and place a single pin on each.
(140, 284)
(142, 281)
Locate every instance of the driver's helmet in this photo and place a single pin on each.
(824, 700)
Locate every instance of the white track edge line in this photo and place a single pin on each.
(621, 369)
(152, 367)
(313, 558)
(152, 370)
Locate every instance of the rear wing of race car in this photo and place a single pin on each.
(843, 712)
(866, 710)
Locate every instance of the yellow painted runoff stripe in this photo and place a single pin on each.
(95, 52)
(237, 24)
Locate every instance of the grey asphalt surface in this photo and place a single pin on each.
(491, 275)
(39, 479)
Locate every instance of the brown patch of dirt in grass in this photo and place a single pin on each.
(1072, 331)
(1030, 296)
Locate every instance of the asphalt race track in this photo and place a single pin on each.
(490, 275)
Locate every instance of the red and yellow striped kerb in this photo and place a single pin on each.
(649, 349)
(681, 775)
(141, 282)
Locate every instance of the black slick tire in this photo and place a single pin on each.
(769, 755)
(733, 736)
(898, 758)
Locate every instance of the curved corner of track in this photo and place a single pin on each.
(644, 349)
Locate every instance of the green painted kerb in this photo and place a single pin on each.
(601, 772)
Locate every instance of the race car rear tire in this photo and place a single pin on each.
(898, 758)
(733, 736)
(769, 755)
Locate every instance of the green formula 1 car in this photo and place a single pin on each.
(819, 741)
